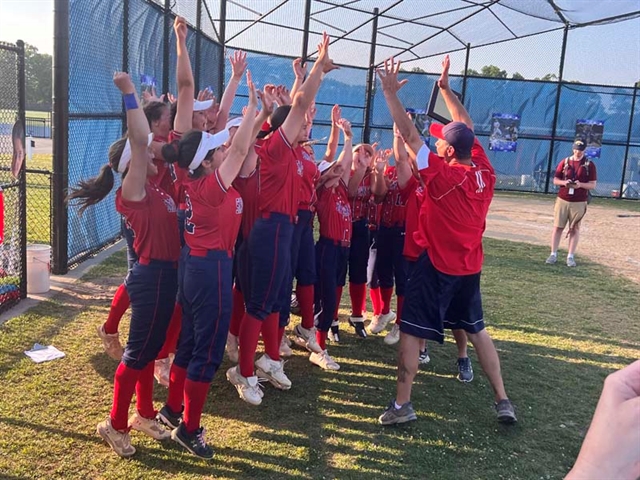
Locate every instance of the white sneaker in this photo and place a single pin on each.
(248, 387)
(334, 333)
(323, 360)
(162, 370)
(378, 324)
(285, 349)
(149, 426)
(393, 336)
(306, 338)
(232, 347)
(120, 442)
(111, 343)
(551, 259)
(273, 371)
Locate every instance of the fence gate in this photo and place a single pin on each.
(13, 240)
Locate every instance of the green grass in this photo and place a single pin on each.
(9, 115)
(619, 203)
(559, 332)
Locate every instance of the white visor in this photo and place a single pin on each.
(323, 166)
(125, 158)
(199, 106)
(207, 142)
(234, 122)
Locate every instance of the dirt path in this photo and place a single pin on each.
(607, 238)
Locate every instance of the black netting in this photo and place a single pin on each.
(12, 190)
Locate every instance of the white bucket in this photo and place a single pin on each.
(38, 268)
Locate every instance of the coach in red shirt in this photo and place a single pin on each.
(444, 287)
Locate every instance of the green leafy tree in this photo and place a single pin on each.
(493, 71)
(517, 76)
(38, 73)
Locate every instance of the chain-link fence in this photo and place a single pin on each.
(12, 190)
(141, 41)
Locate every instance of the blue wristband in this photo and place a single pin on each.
(130, 102)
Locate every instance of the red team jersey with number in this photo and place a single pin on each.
(412, 196)
(310, 177)
(213, 214)
(394, 209)
(454, 212)
(281, 170)
(247, 187)
(360, 202)
(334, 213)
(154, 223)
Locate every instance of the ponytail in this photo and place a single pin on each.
(89, 192)
(183, 151)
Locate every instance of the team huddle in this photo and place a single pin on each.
(219, 219)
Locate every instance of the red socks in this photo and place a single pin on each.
(144, 392)
(173, 332)
(237, 312)
(376, 300)
(248, 339)
(304, 293)
(123, 387)
(386, 294)
(280, 336)
(119, 305)
(177, 378)
(321, 338)
(399, 303)
(338, 298)
(358, 293)
(271, 336)
(195, 394)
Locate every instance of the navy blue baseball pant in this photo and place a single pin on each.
(331, 262)
(390, 263)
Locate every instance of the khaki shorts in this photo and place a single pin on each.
(564, 212)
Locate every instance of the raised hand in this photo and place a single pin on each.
(171, 97)
(282, 95)
(382, 160)
(323, 54)
(238, 63)
(299, 68)
(180, 27)
(389, 76)
(443, 81)
(345, 126)
(336, 114)
(123, 81)
(205, 94)
(267, 98)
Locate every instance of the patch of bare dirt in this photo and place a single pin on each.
(609, 236)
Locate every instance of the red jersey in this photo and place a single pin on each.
(247, 187)
(373, 214)
(281, 170)
(360, 202)
(583, 170)
(412, 196)
(154, 223)
(334, 213)
(179, 176)
(454, 212)
(394, 209)
(213, 214)
(310, 177)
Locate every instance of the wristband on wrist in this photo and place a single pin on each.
(130, 102)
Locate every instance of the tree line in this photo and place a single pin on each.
(38, 79)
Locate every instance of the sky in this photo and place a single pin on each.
(605, 54)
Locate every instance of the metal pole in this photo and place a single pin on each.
(22, 198)
(60, 134)
(366, 134)
(466, 68)
(196, 77)
(165, 46)
(125, 53)
(626, 150)
(305, 33)
(222, 39)
(557, 108)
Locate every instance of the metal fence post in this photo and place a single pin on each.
(165, 46)
(626, 150)
(366, 133)
(22, 198)
(554, 125)
(198, 63)
(125, 53)
(466, 68)
(222, 39)
(305, 33)
(60, 134)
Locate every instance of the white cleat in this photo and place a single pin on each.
(393, 336)
(324, 361)
(380, 323)
(273, 371)
(248, 387)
